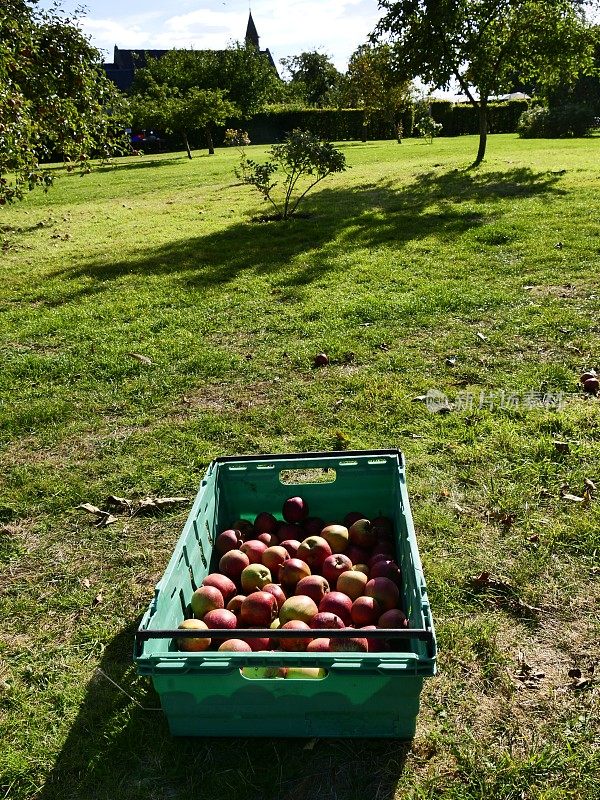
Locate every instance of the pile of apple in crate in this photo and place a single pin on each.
(302, 574)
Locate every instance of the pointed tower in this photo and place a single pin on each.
(252, 33)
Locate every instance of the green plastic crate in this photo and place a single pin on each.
(362, 694)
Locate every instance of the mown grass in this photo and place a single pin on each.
(401, 262)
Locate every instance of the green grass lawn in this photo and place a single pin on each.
(412, 273)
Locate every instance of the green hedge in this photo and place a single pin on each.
(462, 119)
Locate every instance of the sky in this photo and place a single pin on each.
(286, 27)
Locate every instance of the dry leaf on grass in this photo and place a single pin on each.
(502, 593)
(103, 518)
(139, 357)
(119, 503)
(153, 505)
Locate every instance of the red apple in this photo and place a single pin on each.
(339, 604)
(375, 645)
(353, 645)
(258, 645)
(205, 599)
(386, 568)
(365, 611)
(244, 527)
(352, 583)
(318, 646)
(363, 534)
(258, 610)
(193, 645)
(325, 619)
(385, 546)
(287, 530)
(235, 646)
(228, 540)
(384, 591)
(298, 607)
(220, 618)
(254, 577)
(313, 551)
(291, 571)
(357, 555)
(233, 563)
(336, 536)
(291, 545)
(313, 526)
(277, 592)
(235, 604)
(334, 565)
(394, 618)
(295, 509)
(265, 523)
(384, 526)
(379, 557)
(221, 582)
(254, 550)
(351, 518)
(273, 557)
(314, 586)
(295, 644)
(270, 539)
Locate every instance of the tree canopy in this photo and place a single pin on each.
(55, 100)
(314, 76)
(484, 45)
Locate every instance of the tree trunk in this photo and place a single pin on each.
(209, 139)
(483, 125)
(365, 122)
(187, 145)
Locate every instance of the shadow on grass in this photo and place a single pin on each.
(149, 160)
(364, 216)
(116, 750)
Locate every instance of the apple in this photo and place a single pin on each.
(265, 523)
(287, 530)
(351, 517)
(352, 583)
(193, 645)
(357, 555)
(313, 551)
(386, 568)
(384, 526)
(325, 619)
(384, 546)
(291, 545)
(258, 610)
(228, 540)
(394, 618)
(257, 645)
(384, 591)
(235, 646)
(305, 673)
(336, 536)
(375, 645)
(338, 603)
(205, 599)
(221, 582)
(254, 673)
(361, 568)
(313, 586)
(379, 557)
(270, 539)
(363, 534)
(233, 564)
(277, 592)
(295, 509)
(244, 527)
(254, 550)
(295, 644)
(235, 604)
(318, 646)
(365, 611)
(321, 360)
(255, 577)
(298, 607)
(273, 557)
(334, 565)
(352, 645)
(313, 526)
(220, 618)
(291, 571)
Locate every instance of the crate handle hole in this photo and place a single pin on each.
(297, 477)
(281, 673)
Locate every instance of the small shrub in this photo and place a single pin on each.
(240, 139)
(302, 155)
(570, 120)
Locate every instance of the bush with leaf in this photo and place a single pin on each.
(303, 160)
(569, 120)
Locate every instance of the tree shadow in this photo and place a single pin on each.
(140, 163)
(300, 251)
(117, 750)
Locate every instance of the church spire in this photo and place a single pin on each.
(251, 32)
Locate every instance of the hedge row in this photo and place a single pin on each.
(340, 125)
